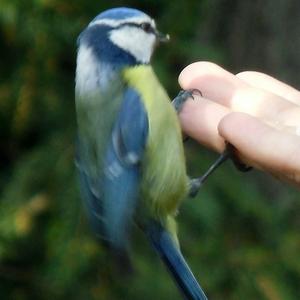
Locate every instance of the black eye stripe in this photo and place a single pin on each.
(146, 26)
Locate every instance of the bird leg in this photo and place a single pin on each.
(229, 152)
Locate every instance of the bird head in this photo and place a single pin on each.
(122, 36)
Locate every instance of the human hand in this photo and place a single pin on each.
(257, 114)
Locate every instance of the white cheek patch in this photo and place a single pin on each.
(135, 41)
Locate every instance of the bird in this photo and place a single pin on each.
(129, 149)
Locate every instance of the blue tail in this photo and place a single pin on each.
(175, 262)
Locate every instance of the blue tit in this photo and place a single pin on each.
(129, 154)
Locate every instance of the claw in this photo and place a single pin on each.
(236, 161)
(195, 91)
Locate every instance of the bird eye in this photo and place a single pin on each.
(146, 27)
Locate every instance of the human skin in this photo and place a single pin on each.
(257, 114)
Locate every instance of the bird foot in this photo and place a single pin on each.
(182, 96)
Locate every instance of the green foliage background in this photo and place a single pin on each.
(240, 236)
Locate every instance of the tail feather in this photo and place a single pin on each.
(175, 262)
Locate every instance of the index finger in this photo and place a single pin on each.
(223, 87)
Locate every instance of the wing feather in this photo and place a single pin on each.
(111, 199)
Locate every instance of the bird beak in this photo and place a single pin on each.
(161, 37)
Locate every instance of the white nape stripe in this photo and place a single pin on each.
(87, 70)
(116, 23)
(91, 73)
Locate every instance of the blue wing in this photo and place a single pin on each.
(111, 199)
(122, 167)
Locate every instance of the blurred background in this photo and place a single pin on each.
(240, 236)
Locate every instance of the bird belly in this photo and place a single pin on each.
(164, 179)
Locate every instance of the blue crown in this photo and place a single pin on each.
(120, 13)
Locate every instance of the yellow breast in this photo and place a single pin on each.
(164, 179)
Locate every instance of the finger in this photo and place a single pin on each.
(270, 84)
(200, 118)
(214, 82)
(263, 146)
(226, 89)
